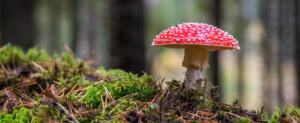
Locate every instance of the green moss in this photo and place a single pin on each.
(37, 55)
(18, 116)
(66, 71)
(129, 84)
(243, 120)
(12, 55)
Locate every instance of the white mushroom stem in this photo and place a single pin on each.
(192, 78)
(195, 60)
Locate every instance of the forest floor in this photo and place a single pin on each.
(38, 87)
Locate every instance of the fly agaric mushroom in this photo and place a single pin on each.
(196, 39)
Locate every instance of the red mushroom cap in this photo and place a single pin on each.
(196, 34)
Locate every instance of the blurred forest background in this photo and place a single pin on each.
(265, 72)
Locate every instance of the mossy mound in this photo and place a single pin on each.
(38, 87)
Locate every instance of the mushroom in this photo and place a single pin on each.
(196, 39)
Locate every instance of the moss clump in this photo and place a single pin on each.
(12, 55)
(62, 88)
(17, 116)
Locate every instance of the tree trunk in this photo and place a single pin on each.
(127, 48)
(214, 55)
(287, 53)
(271, 19)
(240, 24)
(75, 22)
(297, 44)
(17, 22)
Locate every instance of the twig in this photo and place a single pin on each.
(105, 102)
(40, 87)
(126, 97)
(226, 105)
(204, 113)
(23, 95)
(107, 81)
(233, 114)
(111, 99)
(66, 112)
(213, 116)
(294, 121)
(114, 108)
(38, 66)
(26, 83)
(3, 48)
(180, 94)
(72, 90)
(72, 107)
(198, 116)
(68, 49)
(294, 110)
(2, 65)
